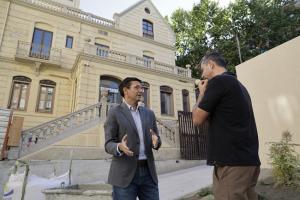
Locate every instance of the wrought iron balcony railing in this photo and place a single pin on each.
(37, 52)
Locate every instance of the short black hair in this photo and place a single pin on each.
(127, 83)
(216, 57)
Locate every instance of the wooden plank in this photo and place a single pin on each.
(15, 130)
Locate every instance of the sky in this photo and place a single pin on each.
(106, 8)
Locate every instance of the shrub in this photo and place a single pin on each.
(285, 161)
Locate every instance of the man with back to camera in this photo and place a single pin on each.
(130, 134)
(232, 134)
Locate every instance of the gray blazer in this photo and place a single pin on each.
(118, 123)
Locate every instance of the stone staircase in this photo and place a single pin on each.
(37, 142)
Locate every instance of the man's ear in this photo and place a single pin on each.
(211, 64)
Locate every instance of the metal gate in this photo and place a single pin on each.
(193, 139)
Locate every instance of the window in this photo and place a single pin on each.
(111, 85)
(148, 29)
(166, 100)
(41, 44)
(148, 61)
(69, 42)
(146, 93)
(46, 96)
(185, 101)
(147, 10)
(20, 93)
(102, 50)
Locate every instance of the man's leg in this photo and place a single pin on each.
(148, 189)
(235, 183)
(252, 195)
(128, 193)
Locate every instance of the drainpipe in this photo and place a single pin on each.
(5, 22)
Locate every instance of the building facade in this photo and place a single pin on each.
(56, 59)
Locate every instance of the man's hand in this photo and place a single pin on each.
(123, 146)
(202, 86)
(154, 138)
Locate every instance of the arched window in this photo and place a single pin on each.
(166, 100)
(111, 85)
(46, 96)
(19, 93)
(146, 93)
(148, 29)
(185, 100)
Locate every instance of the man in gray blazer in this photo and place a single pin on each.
(130, 135)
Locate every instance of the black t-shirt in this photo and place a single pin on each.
(232, 135)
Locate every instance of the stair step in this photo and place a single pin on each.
(13, 153)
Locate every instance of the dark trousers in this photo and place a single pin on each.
(235, 183)
(142, 186)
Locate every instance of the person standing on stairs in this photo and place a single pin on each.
(130, 135)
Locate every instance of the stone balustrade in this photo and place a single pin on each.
(109, 54)
(63, 9)
(56, 127)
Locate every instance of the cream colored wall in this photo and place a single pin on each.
(119, 42)
(93, 137)
(20, 26)
(22, 20)
(62, 93)
(4, 5)
(273, 82)
(132, 22)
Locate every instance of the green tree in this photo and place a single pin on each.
(243, 30)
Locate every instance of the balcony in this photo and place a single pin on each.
(145, 63)
(38, 53)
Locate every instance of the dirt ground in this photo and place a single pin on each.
(265, 188)
(267, 191)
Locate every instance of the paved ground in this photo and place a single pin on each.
(81, 174)
(172, 185)
(4, 172)
(182, 182)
